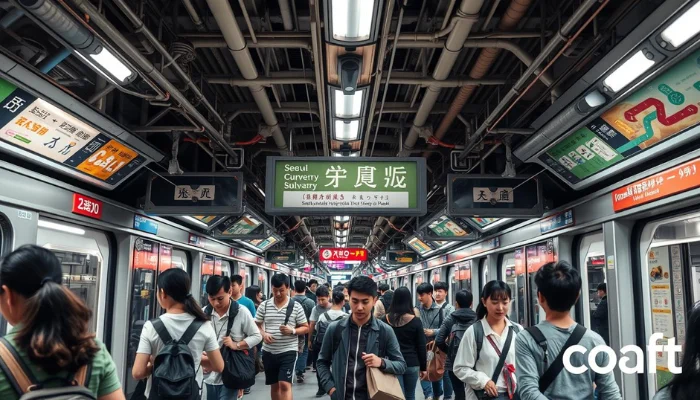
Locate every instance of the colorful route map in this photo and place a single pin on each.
(666, 106)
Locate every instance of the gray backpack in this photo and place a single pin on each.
(27, 387)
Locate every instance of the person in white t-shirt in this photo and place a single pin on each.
(181, 309)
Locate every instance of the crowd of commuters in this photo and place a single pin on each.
(338, 334)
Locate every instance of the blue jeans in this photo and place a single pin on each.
(432, 389)
(408, 382)
(301, 360)
(447, 385)
(220, 392)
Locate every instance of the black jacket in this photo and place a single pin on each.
(465, 316)
(599, 320)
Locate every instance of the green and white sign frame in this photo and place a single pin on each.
(357, 186)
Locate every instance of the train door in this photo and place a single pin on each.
(483, 272)
(417, 280)
(84, 256)
(226, 268)
(452, 278)
(435, 276)
(262, 282)
(515, 279)
(247, 273)
(592, 267)
(394, 284)
(209, 269)
(536, 256)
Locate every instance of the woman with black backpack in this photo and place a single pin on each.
(49, 345)
(409, 332)
(171, 346)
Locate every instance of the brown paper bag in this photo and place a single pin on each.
(383, 386)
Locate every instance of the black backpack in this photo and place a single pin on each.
(322, 326)
(456, 334)
(174, 372)
(239, 367)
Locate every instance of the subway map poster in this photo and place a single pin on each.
(666, 106)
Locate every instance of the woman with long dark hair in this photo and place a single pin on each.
(181, 309)
(686, 385)
(254, 293)
(409, 333)
(50, 327)
(478, 371)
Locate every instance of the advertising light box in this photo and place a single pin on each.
(342, 254)
(346, 186)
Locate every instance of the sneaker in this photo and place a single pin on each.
(320, 393)
(300, 378)
(246, 391)
(428, 398)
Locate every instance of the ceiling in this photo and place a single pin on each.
(434, 74)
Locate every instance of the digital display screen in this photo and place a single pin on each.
(446, 227)
(39, 127)
(205, 219)
(484, 222)
(243, 226)
(419, 246)
(262, 244)
(659, 110)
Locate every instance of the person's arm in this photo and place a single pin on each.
(213, 360)
(323, 362)
(421, 349)
(605, 383)
(251, 332)
(394, 362)
(142, 364)
(441, 339)
(109, 385)
(463, 364)
(312, 326)
(115, 395)
(528, 373)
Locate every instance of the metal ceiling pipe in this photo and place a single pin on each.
(259, 35)
(193, 15)
(286, 15)
(264, 81)
(468, 14)
(516, 10)
(133, 53)
(241, 55)
(420, 37)
(279, 110)
(447, 83)
(273, 43)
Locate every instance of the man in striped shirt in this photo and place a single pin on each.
(281, 321)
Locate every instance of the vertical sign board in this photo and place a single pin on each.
(493, 196)
(195, 194)
(346, 186)
(33, 126)
(654, 113)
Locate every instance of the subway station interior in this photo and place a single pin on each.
(406, 140)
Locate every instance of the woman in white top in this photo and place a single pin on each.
(181, 310)
(478, 370)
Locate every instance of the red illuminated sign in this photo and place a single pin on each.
(343, 254)
(87, 206)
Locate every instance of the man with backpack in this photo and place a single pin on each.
(539, 352)
(281, 321)
(432, 316)
(308, 305)
(335, 313)
(450, 336)
(382, 306)
(236, 330)
(353, 344)
(323, 305)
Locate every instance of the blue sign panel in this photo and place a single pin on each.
(558, 221)
(145, 225)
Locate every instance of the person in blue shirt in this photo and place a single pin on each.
(237, 294)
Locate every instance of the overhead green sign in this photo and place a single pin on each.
(346, 186)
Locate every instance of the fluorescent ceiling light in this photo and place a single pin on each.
(112, 64)
(195, 221)
(342, 219)
(61, 227)
(352, 19)
(683, 28)
(630, 70)
(595, 99)
(347, 130)
(348, 106)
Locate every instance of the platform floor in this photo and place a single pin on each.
(306, 390)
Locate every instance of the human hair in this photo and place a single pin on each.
(494, 290)
(362, 284)
(251, 292)
(686, 385)
(338, 296)
(54, 330)
(279, 280)
(215, 283)
(176, 284)
(313, 282)
(237, 279)
(299, 286)
(322, 291)
(383, 287)
(464, 298)
(603, 286)
(560, 285)
(441, 286)
(424, 288)
(401, 304)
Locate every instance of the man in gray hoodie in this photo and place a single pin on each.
(558, 289)
(450, 335)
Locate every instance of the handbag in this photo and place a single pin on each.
(381, 386)
(436, 362)
(481, 394)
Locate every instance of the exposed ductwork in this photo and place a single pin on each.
(222, 12)
(487, 57)
(466, 15)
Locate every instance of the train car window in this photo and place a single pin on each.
(484, 268)
(536, 256)
(248, 275)
(417, 280)
(226, 268)
(454, 283)
(435, 276)
(83, 253)
(517, 292)
(262, 282)
(592, 268)
(180, 260)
